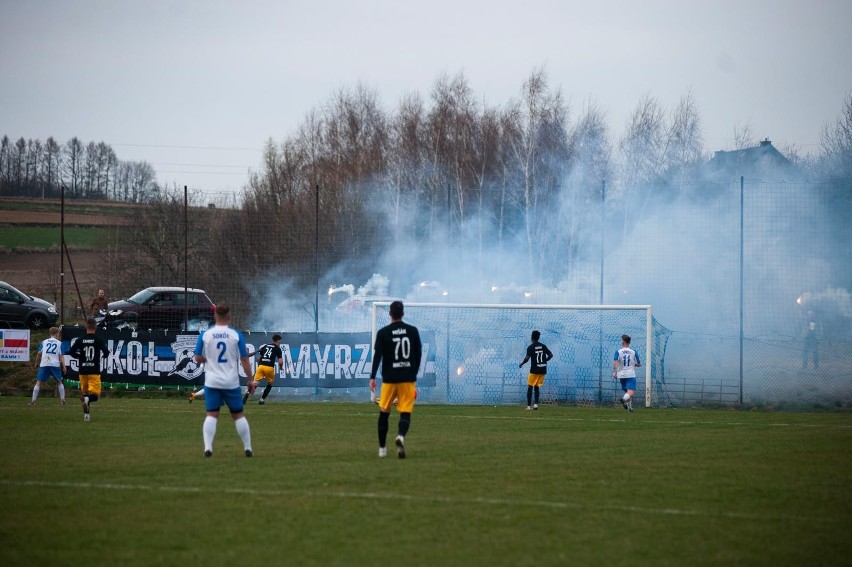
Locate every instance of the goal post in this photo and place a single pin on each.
(478, 348)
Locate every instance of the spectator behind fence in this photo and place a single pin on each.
(99, 302)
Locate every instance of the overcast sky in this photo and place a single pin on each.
(196, 87)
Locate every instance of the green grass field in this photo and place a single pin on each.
(47, 237)
(480, 486)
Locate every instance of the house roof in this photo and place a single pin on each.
(763, 162)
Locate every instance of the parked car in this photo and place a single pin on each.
(19, 308)
(163, 308)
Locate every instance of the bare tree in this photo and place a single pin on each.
(836, 142)
(51, 166)
(5, 164)
(642, 146)
(684, 140)
(404, 158)
(19, 157)
(744, 136)
(537, 135)
(590, 163)
(152, 245)
(74, 157)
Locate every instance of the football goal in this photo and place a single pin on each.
(478, 348)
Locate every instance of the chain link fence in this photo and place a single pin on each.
(749, 279)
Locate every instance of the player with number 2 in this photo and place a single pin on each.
(222, 349)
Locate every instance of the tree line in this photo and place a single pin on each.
(32, 168)
(448, 173)
(444, 171)
(524, 173)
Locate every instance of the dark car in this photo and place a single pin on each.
(18, 308)
(163, 308)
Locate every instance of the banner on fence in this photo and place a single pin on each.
(15, 345)
(311, 360)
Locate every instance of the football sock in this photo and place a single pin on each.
(208, 431)
(404, 423)
(266, 390)
(244, 432)
(92, 398)
(245, 397)
(626, 397)
(383, 428)
(36, 389)
(529, 395)
(536, 390)
(61, 391)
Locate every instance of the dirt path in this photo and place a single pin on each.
(37, 273)
(13, 217)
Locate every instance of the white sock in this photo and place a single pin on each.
(244, 432)
(36, 388)
(208, 431)
(62, 391)
(199, 392)
(626, 397)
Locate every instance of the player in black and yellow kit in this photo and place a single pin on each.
(268, 354)
(398, 350)
(89, 351)
(539, 354)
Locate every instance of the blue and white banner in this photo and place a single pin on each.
(311, 360)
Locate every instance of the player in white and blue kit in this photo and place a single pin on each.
(222, 349)
(51, 365)
(624, 368)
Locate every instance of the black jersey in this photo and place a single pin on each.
(88, 351)
(538, 354)
(269, 353)
(398, 350)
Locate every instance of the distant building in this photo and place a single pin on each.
(761, 163)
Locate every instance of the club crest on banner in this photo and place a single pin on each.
(185, 365)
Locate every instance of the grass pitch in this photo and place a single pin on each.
(480, 486)
(48, 237)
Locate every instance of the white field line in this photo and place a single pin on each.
(347, 495)
(538, 416)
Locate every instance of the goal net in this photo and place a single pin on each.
(478, 348)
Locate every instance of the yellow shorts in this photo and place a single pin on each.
(266, 372)
(405, 391)
(90, 383)
(535, 379)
